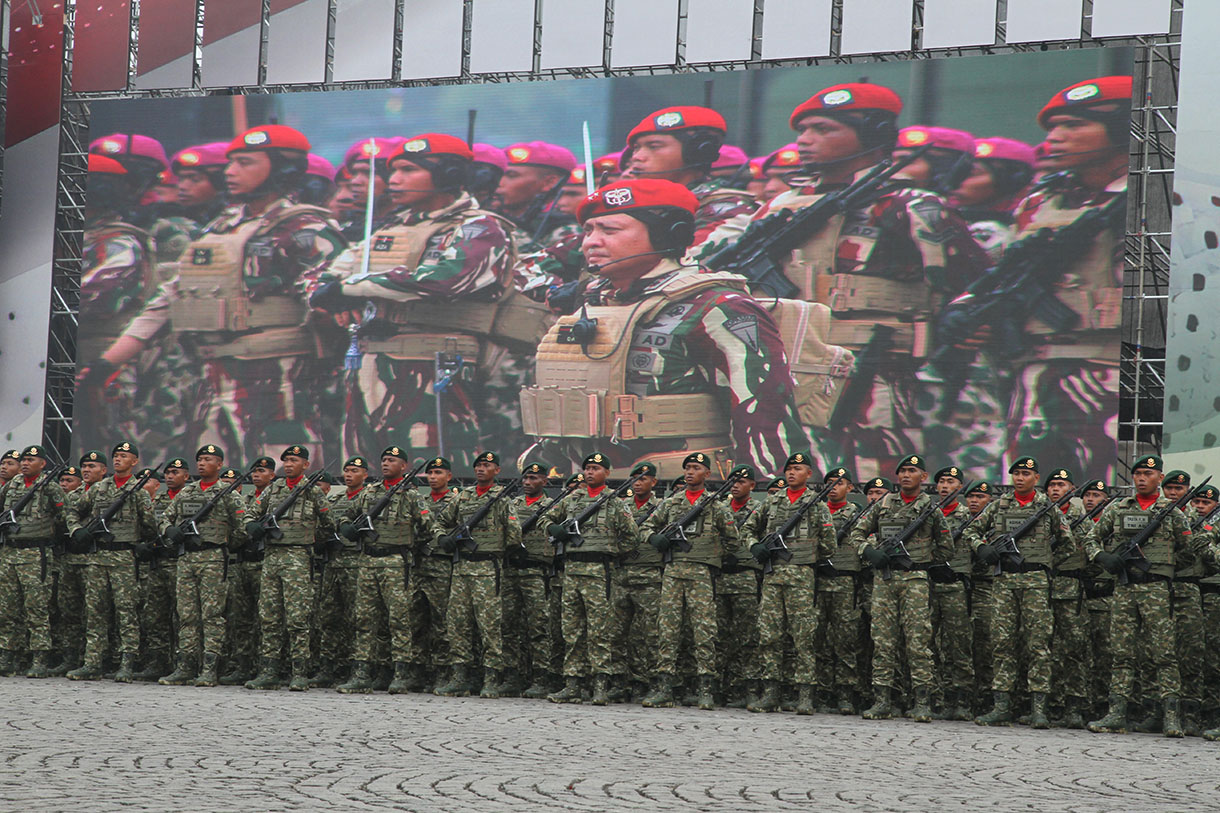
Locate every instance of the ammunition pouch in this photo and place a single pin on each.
(514, 321)
(910, 338)
(820, 369)
(273, 343)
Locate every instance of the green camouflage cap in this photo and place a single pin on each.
(296, 450)
(488, 457)
(1208, 492)
(578, 477)
(702, 458)
(438, 463)
(981, 487)
(70, 471)
(778, 482)
(395, 451)
(176, 463)
(802, 458)
(881, 482)
(1026, 463)
(263, 463)
(915, 460)
(533, 468)
(1097, 485)
(125, 446)
(11, 454)
(1150, 462)
(231, 474)
(838, 472)
(34, 451)
(743, 473)
(92, 456)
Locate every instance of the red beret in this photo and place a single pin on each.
(1006, 149)
(317, 165)
(678, 118)
(267, 137)
(576, 177)
(730, 156)
(362, 150)
(432, 144)
(1086, 94)
(541, 154)
(941, 137)
(643, 193)
(489, 154)
(849, 96)
(201, 155)
(142, 146)
(105, 166)
(785, 156)
(608, 162)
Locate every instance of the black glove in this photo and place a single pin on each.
(143, 551)
(987, 554)
(448, 543)
(175, 535)
(96, 374)
(348, 530)
(661, 542)
(876, 557)
(558, 532)
(329, 297)
(1112, 562)
(255, 530)
(82, 539)
(760, 553)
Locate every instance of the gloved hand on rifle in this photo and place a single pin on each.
(876, 557)
(82, 539)
(1110, 562)
(987, 554)
(760, 552)
(348, 531)
(143, 551)
(660, 542)
(255, 530)
(558, 532)
(174, 535)
(448, 543)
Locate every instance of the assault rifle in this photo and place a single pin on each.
(1132, 551)
(462, 538)
(530, 523)
(99, 526)
(269, 525)
(362, 530)
(9, 526)
(1097, 509)
(1201, 521)
(843, 532)
(188, 532)
(570, 528)
(776, 547)
(675, 532)
(761, 251)
(895, 546)
(1005, 542)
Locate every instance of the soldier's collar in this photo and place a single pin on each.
(463, 201)
(660, 274)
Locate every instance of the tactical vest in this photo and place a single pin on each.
(537, 546)
(598, 536)
(125, 524)
(37, 520)
(1072, 559)
(1194, 569)
(646, 555)
(893, 516)
(431, 512)
(215, 530)
(820, 370)
(1035, 545)
(488, 534)
(212, 295)
(845, 556)
(396, 524)
(301, 522)
(960, 563)
(1130, 519)
(803, 540)
(704, 539)
(342, 510)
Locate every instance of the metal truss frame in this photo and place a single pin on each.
(1141, 369)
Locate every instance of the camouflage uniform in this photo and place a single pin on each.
(952, 630)
(1209, 586)
(110, 577)
(474, 598)
(737, 596)
(840, 615)
(241, 603)
(526, 627)
(718, 202)
(430, 591)
(24, 593)
(158, 595)
(336, 597)
(1070, 647)
(637, 597)
(1188, 619)
(70, 593)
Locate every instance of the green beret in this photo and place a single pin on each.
(296, 451)
(176, 463)
(533, 468)
(799, 459)
(153, 474)
(1151, 462)
(395, 451)
(578, 477)
(881, 482)
(647, 469)
(679, 482)
(1023, 464)
(702, 458)
(778, 482)
(1097, 485)
(34, 451)
(596, 459)
(1177, 477)
(357, 461)
(1059, 474)
(488, 457)
(263, 463)
(915, 460)
(981, 487)
(231, 474)
(70, 471)
(949, 471)
(1208, 492)
(11, 454)
(92, 456)
(125, 446)
(743, 473)
(211, 449)
(438, 463)
(836, 473)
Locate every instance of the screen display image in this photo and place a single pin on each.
(861, 261)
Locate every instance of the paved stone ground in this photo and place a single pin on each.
(102, 746)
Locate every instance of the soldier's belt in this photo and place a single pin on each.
(855, 293)
(1099, 309)
(514, 321)
(1137, 576)
(579, 556)
(529, 564)
(113, 546)
(27, 544)
(380, 552)
(1024, 567)
(1186, 579)
(270, 343)
(196, 547)
(909, 337)
(479, 557)
(422, 346)
(580, 413)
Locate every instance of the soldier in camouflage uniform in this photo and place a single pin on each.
(687, 586)
(71, 593)
(241, 603)
(981, 581)
(70, 481)
(201, 186)
(110, 578)
(527, 580)
(430, 585)
(474, 598)
(952, 632)
(1142, 608)
(1099, 592)
(202, 567)
(383, 594)
(1070, 642)
(25, 617)
(839, 611)
(901, 604)
(637, 593)
(1205, 501)
(1021, 609)
(588, 619)
(254, 358)
(1187, 611)
(158, 584)
(10, 464)
(528, 189)
(788, 604)
(737, 594)
(999, 177)
(435, 273)
(286, 592)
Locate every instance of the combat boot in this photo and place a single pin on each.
(268, 677)
(804, 701)
(1115, 721)
(458, 684)
(8, 663)
(1037, 711)
(383, 675)
(300, 676)
(846, 704)
(922, 710)
(601, 690)
(1151, 724)
(753, 689)
(208, 677)
(570, 693)
(1212, 734)
(417, 677)
(881, 709)
(512, 684)
(707, 693)
(70, 661)
(1072, 718)
(238, 674)
(400, 684)
(620, 692)
(127, 668)
(1173, 718)
(544, 683)
(1190, 718)
(662, 696)
(38, 666)
(690, 692)
(769, 699)
(154, 668)
(735, 696)
(183, 673)
(491, 684)
(1001, 711)
(957, 706)
(361, 682)
(324, 678)
(88, 671)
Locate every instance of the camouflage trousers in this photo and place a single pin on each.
(1141, 613)
(110, 584)
(285, 599)
(241, 608)
(158, 602)
(1021, 614)
(1100, 658)
(982, 600)
(787, 607)
(475, 606)
(429, 600)
(637, 597)
(70, 596)
(687, 595)
(336, 606)
(555, 601)
(1188, 624)
(526, 630)
(737, 621)
(1070, 649)
(25, 600)
(201, 602)
(1211, 663)
(902, 610)
(588, 623)
(840, 626)
(952, 633)
(383, 601)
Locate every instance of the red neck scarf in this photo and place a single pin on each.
(291, 483)
(1145, 502)
(692, 496)
(593, 492)
(205, 486)
(120, 483)
(835, 506)
(1024, 501)
(737, 506)
(796, 494)
(949, 509)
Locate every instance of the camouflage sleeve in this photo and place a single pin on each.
(114, 277)
(1094, 541)
(235, 509)
(512, 524)
(942, 537)
(864, 529)
(83, 509)
(171, 236)
(477, 256)
(658, 520)
(1061, 530)
(827, 543)
(626, 532)
(951, 258)
(725, 232)
(1184, 540)
(321, 507)
(146, 518)
(55, 501)
(445, 521)
(718, 209)
(301, 246)
(258, 506)
(755, 525)
(730, 537)
(979, 530)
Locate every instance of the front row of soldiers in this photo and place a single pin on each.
(607, 594)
